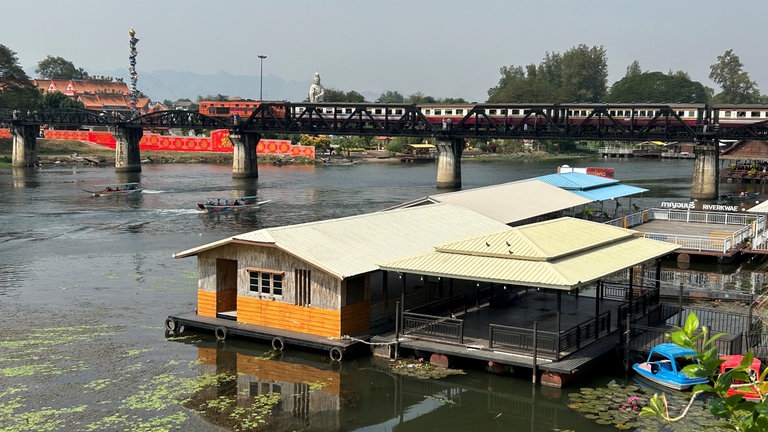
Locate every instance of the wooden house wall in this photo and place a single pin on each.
(323, 317)
(325, 288)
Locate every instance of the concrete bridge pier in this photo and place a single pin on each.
(449, 152)
(706, 177)
(127, 155)
(24, 145)
(244, 162)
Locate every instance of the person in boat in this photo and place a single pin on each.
(236, 202)
(108, 189)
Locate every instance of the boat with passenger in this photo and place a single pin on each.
(664, 367)
(115, 189)
(230, 204)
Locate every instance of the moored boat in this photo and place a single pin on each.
(739, 196)
(664, 367)
(230, 204)
(115, 189)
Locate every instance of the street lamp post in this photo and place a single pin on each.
(261, 76)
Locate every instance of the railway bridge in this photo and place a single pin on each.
(535, 121)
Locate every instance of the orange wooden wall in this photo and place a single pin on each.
(206, 303)
(309, 320)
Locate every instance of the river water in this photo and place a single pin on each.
(86, 283)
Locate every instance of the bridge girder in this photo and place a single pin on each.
(540, 121)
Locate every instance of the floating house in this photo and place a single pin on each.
(317, 284)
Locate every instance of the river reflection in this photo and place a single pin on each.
(363, 395)
(87, 282)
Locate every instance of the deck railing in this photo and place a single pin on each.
(444, 328)
(752, 231)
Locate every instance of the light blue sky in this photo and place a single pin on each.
(442, 48)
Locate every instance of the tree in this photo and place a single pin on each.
(391, 96)
(57, 99)
(738, 414)
(59, 68)
(633, 69)
(735, 82)
(16, 89)
(585, 74)
(578, 75)
(656, 87)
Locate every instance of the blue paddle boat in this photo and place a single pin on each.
(664, 367)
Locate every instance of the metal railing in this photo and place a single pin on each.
(443, 328)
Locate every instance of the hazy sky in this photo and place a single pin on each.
(442, 48)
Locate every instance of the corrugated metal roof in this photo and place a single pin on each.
(576, 181)
(543, 241)
(551, 255)
(514, 201)
(355, 245)
(609, 192)
(760, 208)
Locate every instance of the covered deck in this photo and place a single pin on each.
(545, 301)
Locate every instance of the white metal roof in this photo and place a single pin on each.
(510, 202)
(354, 245)
(560, 254)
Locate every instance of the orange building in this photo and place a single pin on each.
(102, 94)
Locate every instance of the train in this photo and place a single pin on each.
(534, 115)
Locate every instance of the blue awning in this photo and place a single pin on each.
(609, 192)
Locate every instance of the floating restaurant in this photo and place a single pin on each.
(451, 277)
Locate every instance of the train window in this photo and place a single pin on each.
(427, 111)
(612, 113)
(492, 112)
(347, 110)
(515, 112)
(399, 111)
(741, 113)
(377, 111)
(755, 113)
(438, 112)
(448, 112)
(726, 113)
(460, 111)
(526, 112)
(502, 111)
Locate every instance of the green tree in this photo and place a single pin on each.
(59, 68)
(656, 87)
(526, 90)
(737, 87)
(57, 99)
(391, 96)
(633, 69)
(217, 97)
(16, 89)
(585, 74)
(353, 96)
(332, 95)
(578, 75)
(420, 98)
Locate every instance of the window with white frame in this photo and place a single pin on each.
(265, 282)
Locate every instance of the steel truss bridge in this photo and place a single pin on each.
(409, 120)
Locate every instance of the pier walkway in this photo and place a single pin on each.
(719, 234)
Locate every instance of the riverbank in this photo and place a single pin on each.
(66, 152)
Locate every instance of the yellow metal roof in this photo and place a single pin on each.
(560, 254)
(510, 202)
(355, 245)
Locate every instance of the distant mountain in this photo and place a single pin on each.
(174, 85)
